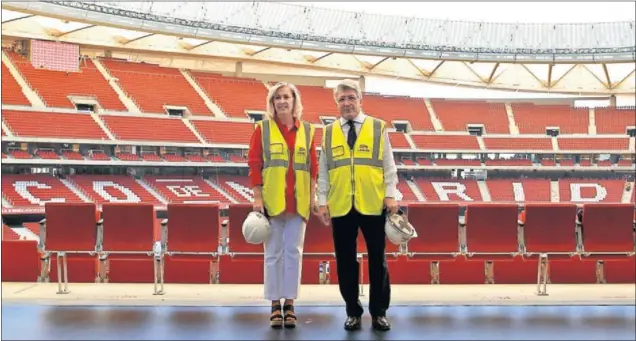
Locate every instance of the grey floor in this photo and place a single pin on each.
(42, 322)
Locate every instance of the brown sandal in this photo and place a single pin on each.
(276, 319)
(290, 316)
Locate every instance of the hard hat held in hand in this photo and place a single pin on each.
(398, 229)
(256, 228)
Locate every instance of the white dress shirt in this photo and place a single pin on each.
(390, 170)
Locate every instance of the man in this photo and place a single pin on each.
(357, 180)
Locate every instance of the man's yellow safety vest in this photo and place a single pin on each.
(356, 177)
(276, 163)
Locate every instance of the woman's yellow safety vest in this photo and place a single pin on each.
(356, 177)
(276, 163)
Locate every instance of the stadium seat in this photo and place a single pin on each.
(608, 229)
(438, 248)
(193, 243)
(20, 261)
(608, 237)
(492, 235)
(243, 263)
(128, 243)
(550, 231)
(550, 228)
(71, 233)
(438, 225)
(491, 230)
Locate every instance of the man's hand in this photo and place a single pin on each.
(324, 215)
(391, 205)
(257, 206)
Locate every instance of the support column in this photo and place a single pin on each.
(363, 83)
(238, 72)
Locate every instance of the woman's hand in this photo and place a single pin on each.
(315, 209)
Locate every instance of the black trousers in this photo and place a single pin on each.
(345, 236)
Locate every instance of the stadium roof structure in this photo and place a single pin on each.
(583, 58)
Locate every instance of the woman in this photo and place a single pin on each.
(283, 170)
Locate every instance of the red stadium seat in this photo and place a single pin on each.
(491, 229)
(128, 242)
(492, 235)
(437, 226)
(70, 229)
(437, 250)
(193, 243)
(243, 263)
(550, 231)
(20, 261)
(608, 229)
(608, 237)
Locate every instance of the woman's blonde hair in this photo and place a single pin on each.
(297, 110)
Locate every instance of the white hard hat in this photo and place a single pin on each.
(398, 229)
(256, 228)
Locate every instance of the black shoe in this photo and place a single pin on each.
(352, 323)
(381, 323)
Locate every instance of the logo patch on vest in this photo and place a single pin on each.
(363, 148)
(337, 151)
(302, 151)
(276, 148)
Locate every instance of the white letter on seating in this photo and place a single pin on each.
(398, 195)
(22, 188)
(247, 193)
(187, 191)
(575, 190)
(443, 192)
(98, 187)
(517, 189)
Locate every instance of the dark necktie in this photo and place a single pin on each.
(351, 137)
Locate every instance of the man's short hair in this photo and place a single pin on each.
(347, 84)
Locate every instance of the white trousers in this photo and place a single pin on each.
(283, 257)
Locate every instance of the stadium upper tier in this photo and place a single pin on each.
(132, 99)
(593, 59)
(357, 28)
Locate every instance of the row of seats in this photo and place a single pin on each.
(195, 246)
(513, 162)
(152, 88)
(54, 87)
(139, 128)
(12, 91)
(51, 154)
(36, 190)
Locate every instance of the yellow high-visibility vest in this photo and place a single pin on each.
(276, 163)
(356, 177)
